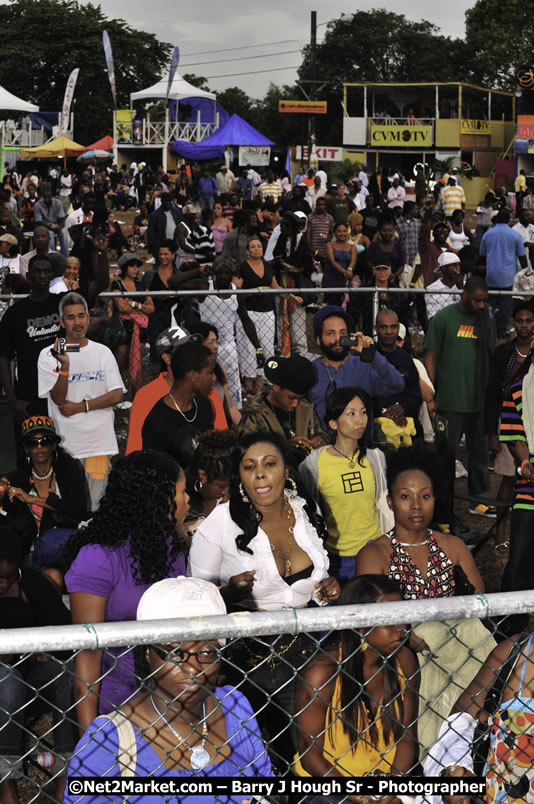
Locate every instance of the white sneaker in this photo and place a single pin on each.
(125, 405)
(461, 471)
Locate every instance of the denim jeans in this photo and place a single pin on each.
(28, 690)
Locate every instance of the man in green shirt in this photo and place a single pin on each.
(340, 206)
(459, 343)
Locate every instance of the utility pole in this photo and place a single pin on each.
(313, 56)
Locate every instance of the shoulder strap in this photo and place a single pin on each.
(494, 696)
(127, 753)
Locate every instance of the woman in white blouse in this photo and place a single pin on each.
(265, 547)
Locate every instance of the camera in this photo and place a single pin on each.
(349, 340)
(63, 347)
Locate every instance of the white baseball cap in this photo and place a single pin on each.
(446, 258)
(181, 597)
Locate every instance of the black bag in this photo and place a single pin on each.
(481, 735)
(462, 584)
(112, 332)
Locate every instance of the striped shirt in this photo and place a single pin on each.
(512, 429)
(452, 198)
(320, 229)
(201, 239)
(272, 188)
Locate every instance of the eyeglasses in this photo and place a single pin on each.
(179, 656)
(46, 441)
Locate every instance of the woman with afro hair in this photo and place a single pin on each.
(130, 543)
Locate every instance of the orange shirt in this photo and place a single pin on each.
(146, 398)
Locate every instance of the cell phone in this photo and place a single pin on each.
(63, 347)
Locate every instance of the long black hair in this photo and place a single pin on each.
(355, 700)
(242, 512)
(337, 401)
(138, 505)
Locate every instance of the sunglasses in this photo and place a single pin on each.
(45, 441)
(179, 656)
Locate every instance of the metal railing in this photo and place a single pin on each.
(265, 738)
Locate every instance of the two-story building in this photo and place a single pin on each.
(397, 125)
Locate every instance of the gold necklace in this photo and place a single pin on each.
(286, 556)
(350, 460)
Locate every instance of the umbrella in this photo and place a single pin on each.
(97, 154)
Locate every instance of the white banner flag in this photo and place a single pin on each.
(67, 100)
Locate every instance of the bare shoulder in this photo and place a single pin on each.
(451, 545)
(322, 670)
(374, 557)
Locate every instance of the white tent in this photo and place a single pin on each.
(12, 103)
(179, 89)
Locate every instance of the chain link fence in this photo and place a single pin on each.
(288, 695)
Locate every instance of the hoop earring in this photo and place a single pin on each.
(197, 485)
(293, 492)
(20, 576)
(243, 494)
(28, 461)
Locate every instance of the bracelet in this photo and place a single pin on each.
(526, 461)
(86, 403)
(63, 373)
(259, 351)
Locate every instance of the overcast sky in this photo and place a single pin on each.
(200, 28)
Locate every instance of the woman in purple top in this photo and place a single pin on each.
(181, 725)
(130, 543)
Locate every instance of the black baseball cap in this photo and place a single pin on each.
(296, 373)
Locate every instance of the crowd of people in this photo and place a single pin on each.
(285, 450)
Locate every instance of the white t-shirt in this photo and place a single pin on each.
(221, 311)
(435, 303)
(214, 556)
(65, 185)
(93, 371)
(9, 265)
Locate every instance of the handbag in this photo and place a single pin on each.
(481, 735)
(462, 584)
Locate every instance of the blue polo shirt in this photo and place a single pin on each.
(501, 246)
(378, 378)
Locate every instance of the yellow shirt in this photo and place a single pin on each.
(348, 499)
(520, 184)
(338, 749)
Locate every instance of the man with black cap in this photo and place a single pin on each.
(283, 409)
(360, 366)
(430, 250)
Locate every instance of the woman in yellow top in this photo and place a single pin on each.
(358, 700)
(348, 479)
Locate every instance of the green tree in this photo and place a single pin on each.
(499, 39)
(48, 39)
(378, 45)
(281, 128)
(236, 101)
(198, 81)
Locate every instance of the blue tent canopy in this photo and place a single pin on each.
(236, 132)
